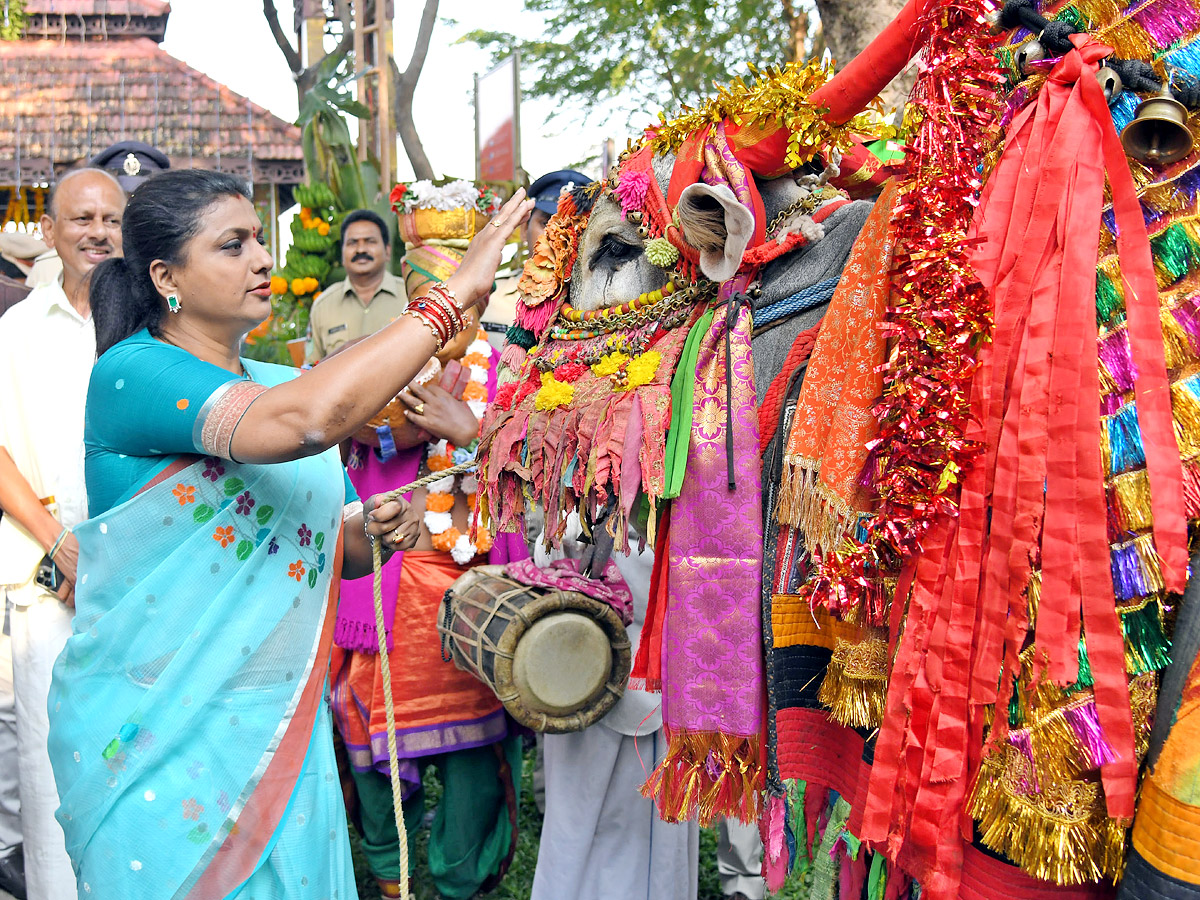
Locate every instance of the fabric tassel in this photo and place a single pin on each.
(1185, 407)
(773, 831)
(1090, 739)
(1187, 314)
(1132, 493)
(1129, 581)
(1110, 296)
(855, 684)
(1185, 57)
(1125, 440)
(708, 776)
(1176, 252)
(1116, 360)
(1085, 679)
(536, 318)
(1177, 343)
(1151, 566)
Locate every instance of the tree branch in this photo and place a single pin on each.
(405, 87)
(285, 46)
(341, 9)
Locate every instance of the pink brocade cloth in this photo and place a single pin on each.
(712, 662)
(564, 575)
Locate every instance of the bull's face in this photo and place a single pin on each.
(612, 267)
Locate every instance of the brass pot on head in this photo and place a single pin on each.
(1158, 135)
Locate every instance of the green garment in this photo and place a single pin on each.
(471, 831)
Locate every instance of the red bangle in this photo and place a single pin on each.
(438, 339)
(435, 312)
(446, 297)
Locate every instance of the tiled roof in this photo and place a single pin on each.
(64, 101)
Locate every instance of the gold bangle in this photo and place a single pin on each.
(438, 343)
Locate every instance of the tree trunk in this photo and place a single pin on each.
(797, 19)
(849, 25)
(405, 84)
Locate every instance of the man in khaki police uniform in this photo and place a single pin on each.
(367, 300)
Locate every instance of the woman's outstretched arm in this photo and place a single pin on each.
(312, 413)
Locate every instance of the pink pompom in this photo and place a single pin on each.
(631, 190)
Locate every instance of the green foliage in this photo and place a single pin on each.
(338, 183)
(647, 52)
(12, 19)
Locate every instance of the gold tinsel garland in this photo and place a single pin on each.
(777, 94)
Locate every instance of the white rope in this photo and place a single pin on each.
(385, 669)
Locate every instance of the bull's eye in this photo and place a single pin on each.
(613, 252)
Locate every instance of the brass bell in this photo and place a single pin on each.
(995, 26)
(634, 217)
(1029, 53)
(1110, 83)
(1158, 135)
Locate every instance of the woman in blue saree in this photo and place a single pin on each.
(190, 732)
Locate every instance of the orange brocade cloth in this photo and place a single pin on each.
(439, 708)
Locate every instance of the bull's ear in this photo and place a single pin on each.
(718, 226)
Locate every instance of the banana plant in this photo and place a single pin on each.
(329, 151)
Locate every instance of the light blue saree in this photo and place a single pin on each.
(189, 732)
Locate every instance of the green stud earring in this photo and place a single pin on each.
(173, 303)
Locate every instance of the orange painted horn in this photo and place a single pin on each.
(850, 90)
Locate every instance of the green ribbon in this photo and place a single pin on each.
(683, 388)
(877, 880)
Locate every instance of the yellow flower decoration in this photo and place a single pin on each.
(553, 393)
(641, 370)
(610, 364)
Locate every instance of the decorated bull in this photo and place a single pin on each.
(862, 440)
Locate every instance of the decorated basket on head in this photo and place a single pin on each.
(437, 223)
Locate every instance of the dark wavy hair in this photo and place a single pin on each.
(162, 216)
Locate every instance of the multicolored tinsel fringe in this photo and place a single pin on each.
(1037, 799)
(707, 776)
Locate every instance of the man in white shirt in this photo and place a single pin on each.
(47, 348)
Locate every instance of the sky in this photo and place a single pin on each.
(229, 40)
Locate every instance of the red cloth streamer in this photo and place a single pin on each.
(646, 673)
(850, 90)
(1038, 491)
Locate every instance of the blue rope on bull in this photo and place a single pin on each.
(809, 298)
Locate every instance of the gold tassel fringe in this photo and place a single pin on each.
(1060, 833)
(1186, 410)
(855, 685)
(1133, 500)
(805, 503)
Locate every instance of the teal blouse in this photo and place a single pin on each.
(147, 405)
